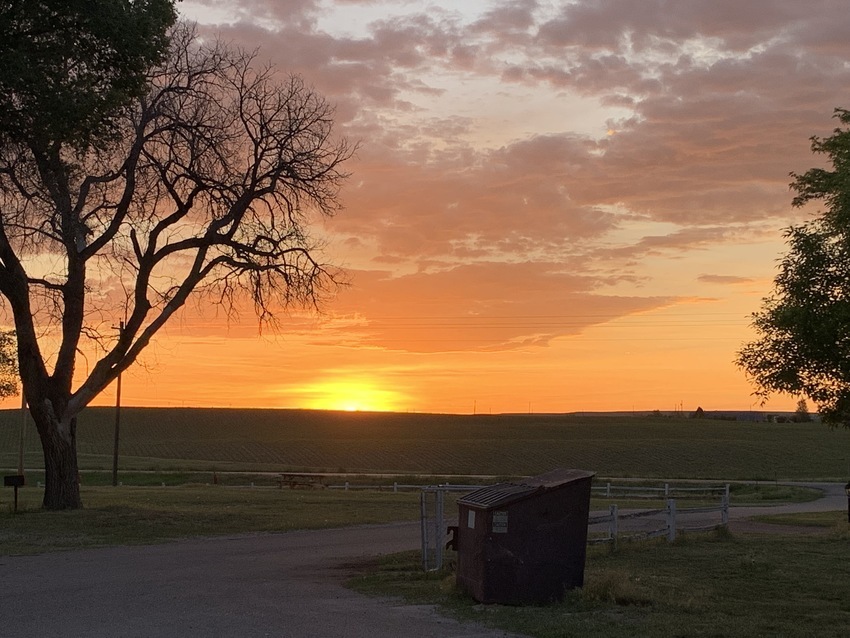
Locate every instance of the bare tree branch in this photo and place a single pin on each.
(208, 189)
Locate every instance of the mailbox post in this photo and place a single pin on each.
(16, 481)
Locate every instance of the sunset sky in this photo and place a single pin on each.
(555, 206)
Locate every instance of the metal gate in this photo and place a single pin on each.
(433, 522)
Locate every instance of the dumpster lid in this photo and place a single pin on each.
(495, 495)
(504, 493)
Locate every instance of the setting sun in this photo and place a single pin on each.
(349, 396)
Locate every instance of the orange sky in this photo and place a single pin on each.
(555, 206)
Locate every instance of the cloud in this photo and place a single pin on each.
(475, 194)
(478, 307)
(620, 25)
(724, 279)
(461, 203)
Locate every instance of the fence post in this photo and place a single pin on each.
(614, 525)
(423, 522)
(395, 486)
(724, 513)
(666, 490)
(671, 519)
(439, 534)
(346, 486)
(608, 491)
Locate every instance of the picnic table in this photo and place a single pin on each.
(308, 480)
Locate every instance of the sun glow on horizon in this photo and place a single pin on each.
(348, 396)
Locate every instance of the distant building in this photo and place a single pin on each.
(752, 416)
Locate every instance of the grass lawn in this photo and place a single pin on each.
(705, 585)
(138, 515)
(824, 520)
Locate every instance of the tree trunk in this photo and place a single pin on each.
(61, 475)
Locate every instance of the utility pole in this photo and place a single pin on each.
(23, 430)
(117, 418)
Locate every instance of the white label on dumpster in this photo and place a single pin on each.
(470, 519)
(500, 522)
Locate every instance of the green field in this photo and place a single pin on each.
(143, 515)
(707, 585)
(501, 445)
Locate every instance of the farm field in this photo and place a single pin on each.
(432, 444)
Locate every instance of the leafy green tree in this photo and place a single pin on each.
(202, 184)
(70, 66)
(801, 414)
(803, 346)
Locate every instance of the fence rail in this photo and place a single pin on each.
(610, 490)
(675, 520)
(399, 487)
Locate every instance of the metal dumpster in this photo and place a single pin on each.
(524, 542)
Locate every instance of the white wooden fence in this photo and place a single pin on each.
(673, 520)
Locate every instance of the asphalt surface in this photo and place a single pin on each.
(282, 585)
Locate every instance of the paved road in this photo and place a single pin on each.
(282, 585)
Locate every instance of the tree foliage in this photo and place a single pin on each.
(803, 346)
(8, 365)
(206, 185)
(69, 66)
(801, 414)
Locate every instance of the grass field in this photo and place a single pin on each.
(145, 515)
(502, 445)
(705, 585)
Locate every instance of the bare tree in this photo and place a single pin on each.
(207, 189)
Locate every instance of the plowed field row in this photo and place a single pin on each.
(450, 444)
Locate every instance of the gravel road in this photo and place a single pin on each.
(282, 585)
